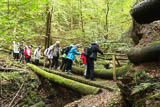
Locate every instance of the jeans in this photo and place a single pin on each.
(36, 61)
(28, 59)
(16, 56)
(55, 62)
(68, 65)
(63, 63)
(85, 71)
(90, 69)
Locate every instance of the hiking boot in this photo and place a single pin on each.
(92, 79)
(69, 73)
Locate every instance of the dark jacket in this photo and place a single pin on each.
(95, 49)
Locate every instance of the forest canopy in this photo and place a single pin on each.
(72, 20)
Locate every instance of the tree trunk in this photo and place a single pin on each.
(81, 17)
(74, 85)
(146, 11)
(146, 54)
(72, 77)
(48, 28)
(107, 12)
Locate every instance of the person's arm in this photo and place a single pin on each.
(75, 51)
(35, 52)
(99, 51)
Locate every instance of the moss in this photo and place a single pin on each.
(76, 86)
(154, 43)
(104, 73)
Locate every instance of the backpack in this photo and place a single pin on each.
(67, 49)
(46, 52)
(88, 51)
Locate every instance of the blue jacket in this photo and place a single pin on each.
(72, 53)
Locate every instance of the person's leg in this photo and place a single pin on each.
(50, 63)
(14, 55)
(70, 67)
(67, 65)
(53, 62)
(35, 61)
(63, 62)
(45, 60)
(64, 66)
(26, 60)
(88, 69)
(92, 69)
(56, 63)
(85, 72)
(29, 59)
(17, 56)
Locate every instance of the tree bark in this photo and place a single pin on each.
(68, 83)
(81, 17)
(48, 27)
(146, 54)
(146, 11)
(107, 12)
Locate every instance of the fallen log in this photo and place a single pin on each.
(146, 11)
(68, 83)
(146, 54)
(104, 73)
(10, 69)
(88, 82)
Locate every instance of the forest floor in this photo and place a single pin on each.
(39, 89)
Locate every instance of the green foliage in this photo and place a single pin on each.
(83, 20)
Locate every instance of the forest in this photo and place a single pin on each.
(79, 53)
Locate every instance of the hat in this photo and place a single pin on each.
(78, 45)
(39, 47)
(57, 42)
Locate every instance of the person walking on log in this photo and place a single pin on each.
(22, 56)
(55, 50)
(64, 53)
(16, 51)
(46, 56)
(84, 62)
(91, 55)
(37, 55)
(70, 58)
(28, 54)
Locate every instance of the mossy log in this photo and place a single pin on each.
(146, 54)
(68, 83)
(103, 73)
(146, 11)
(92, 83)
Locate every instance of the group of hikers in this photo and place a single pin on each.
(23, 53)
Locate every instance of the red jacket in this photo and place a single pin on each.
(26, 54)
(83, 58)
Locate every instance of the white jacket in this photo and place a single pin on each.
(37, 53)
(15, 48)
